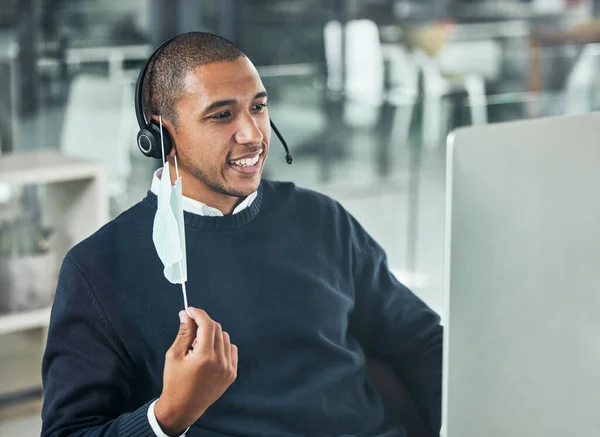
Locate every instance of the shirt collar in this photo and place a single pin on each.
(196, 207)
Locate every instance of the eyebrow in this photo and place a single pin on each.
(221, 103)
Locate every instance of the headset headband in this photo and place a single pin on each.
(139, 113)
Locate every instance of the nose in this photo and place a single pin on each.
(248, 132)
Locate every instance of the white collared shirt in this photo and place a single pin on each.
(195, 207)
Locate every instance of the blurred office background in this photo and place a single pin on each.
(364, 91)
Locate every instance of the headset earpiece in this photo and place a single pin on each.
(148, 141)
(148, 137)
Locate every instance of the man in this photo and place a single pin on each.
(287, 291)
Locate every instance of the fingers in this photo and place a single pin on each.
(185, 335)
(219, 342)
(205, 333)
(223, 348)
(210, 339)
(227, 347)
(231, 354)
(234, 358)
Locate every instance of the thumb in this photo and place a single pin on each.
(185, 336)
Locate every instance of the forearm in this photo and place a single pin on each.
(394, 325)
(132, 424)
(421, 372)
(88, 384)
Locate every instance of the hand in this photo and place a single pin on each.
(194, 379)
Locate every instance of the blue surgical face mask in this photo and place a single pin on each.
(168, 232)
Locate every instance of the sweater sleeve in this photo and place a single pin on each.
(394, 325)
(86, 372)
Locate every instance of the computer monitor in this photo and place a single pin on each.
(522, 297)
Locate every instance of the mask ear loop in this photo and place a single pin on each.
(162, 147)
(162, 141)
(176, 167)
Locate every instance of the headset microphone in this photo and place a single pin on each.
(288, 155)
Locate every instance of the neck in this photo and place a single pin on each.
(225, 204)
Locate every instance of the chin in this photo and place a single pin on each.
(240, 187)
(244, 189)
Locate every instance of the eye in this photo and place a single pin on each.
(259, 107)
(221, 115)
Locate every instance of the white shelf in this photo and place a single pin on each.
(75, 205)
(45, 166)
(21, 321)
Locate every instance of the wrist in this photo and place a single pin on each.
(167, 419)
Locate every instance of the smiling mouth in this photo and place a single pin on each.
(249, 161)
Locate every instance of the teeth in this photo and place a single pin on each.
(247, 162)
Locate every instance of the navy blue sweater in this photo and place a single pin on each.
(303, 291)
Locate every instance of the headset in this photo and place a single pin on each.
(148, 137)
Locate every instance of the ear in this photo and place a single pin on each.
(166, 124)
(156, 119)
(173, 149)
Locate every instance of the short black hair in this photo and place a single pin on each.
(164, 79)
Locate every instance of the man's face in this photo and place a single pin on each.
(223, 132)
